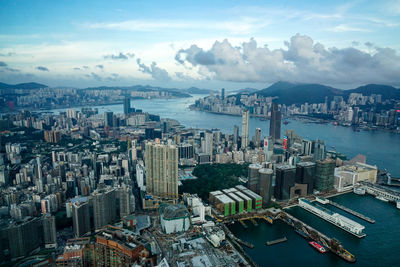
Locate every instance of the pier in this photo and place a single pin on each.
(380, 191)
(277, 241)
(254, 222)
(330, 243)
(243, 223)
(244, 243)
(352, 212)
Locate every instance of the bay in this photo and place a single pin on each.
(381, 148)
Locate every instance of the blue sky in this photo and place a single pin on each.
(212, 44)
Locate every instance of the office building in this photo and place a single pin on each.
(245, 128)
(257, 137)
(275, 122)
(235, 134)
(108, 119)
(319, 150)
(253, 177)
(161, 163)
(185, 151)
(285, 180)
(305, 174)
(264, 188)
(325, 175)
(127, 105)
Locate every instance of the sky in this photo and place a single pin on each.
(207, 44)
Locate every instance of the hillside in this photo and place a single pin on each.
(24, 86)
(293, 93)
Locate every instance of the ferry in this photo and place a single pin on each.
(334, 218)
(317, 246)
(359, 190)
(382, 198)
(398, 205)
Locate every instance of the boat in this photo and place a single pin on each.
(335, 123)
(359, 190)
(398, 205)
(334, 218)
(382, 198)
(317, 246)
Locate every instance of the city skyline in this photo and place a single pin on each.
(210, 45)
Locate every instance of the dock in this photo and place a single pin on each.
(244, 243)
(243, 223)
(276, 241)
(254, 222)
(352, 212)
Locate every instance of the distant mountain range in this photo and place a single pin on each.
(24, 86)
(286, 92)
(143, 88)
(298, 93)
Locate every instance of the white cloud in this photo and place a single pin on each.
(241, 25)
(302, 61)
(347, 28)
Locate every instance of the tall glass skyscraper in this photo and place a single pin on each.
(275, 122)
(245, 128)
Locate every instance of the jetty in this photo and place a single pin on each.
(352, 212)
(276, 241)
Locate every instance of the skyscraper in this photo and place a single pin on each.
(108, 118)
(324, 175)
(253, 174)
(257, 137)
(104, 207)
(223, 93)
(126, 201)
(245, 128)
(127, 105)
(275, 122)
(264, 187)
(285, 179)
(49, 231)
(161, 170)
(319, 150)
(80, 218)
(235, 134)
(305, 174)
(208, 149)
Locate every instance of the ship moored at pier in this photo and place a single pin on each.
(336, 219)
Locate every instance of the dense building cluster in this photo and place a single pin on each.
(80, 187)
(364, 111)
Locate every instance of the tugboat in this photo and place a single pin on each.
(317, 246)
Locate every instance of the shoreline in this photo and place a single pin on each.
(304, 119)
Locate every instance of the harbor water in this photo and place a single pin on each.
(381, 245)
(379, 248)
(380, 148)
